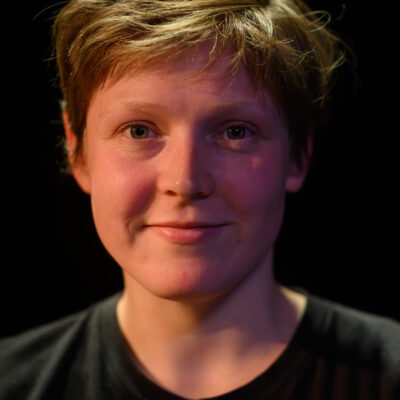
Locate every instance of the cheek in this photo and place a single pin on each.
(256, 188)
(256, 193)
(120, 194)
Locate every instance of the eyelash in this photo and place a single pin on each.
(246, 128)
(241, 126)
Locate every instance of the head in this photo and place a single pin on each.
(190, 121)
(282, 44)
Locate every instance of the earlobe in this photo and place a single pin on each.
(298, 173)
(78, 165)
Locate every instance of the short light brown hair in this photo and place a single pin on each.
(282, 43)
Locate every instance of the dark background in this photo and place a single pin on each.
(337, 238)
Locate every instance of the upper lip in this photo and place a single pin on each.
(187, 224)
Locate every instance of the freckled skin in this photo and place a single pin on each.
(186, 169)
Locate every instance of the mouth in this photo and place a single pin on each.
(186, 233)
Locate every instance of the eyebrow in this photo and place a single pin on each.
(213, 107)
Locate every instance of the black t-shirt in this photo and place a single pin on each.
(336, 353)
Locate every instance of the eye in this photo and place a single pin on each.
(138, 132)
(238, 132)
(237, 136)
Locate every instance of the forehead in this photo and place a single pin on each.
(190, 80)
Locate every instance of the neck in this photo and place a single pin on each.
(205, 348)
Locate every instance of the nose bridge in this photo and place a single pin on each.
(185, 171)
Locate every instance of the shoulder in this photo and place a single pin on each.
(27, 359)
(42, 336)
(39, 358)
(356, 338)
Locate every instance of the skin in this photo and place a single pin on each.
(188, 291)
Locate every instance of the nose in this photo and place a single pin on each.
(185, 171)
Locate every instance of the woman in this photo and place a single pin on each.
(187, 122)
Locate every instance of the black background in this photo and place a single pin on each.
(337, 240)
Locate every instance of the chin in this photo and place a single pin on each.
(194, 282)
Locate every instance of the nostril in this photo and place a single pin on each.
(188, 194)
(188, 188)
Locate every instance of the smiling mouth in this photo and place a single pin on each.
(186, 234)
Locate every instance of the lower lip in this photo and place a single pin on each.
(186, 235)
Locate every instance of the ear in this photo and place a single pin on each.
(297, 174)
(78, 165)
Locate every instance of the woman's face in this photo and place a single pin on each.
(187, 176)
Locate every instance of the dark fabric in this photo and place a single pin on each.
(337, 353)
